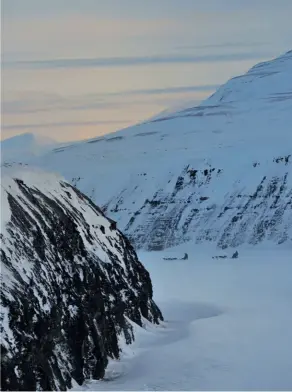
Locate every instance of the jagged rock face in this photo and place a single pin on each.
(194, 206)
(71, 286)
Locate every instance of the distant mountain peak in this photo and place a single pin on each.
(25, 145)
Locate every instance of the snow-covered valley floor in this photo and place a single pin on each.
(228, 325)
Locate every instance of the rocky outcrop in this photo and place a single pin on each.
(71, 286)
(195, 206)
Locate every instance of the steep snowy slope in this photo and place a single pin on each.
(218, 172)
(71, 285)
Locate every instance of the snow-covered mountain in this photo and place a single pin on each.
(219, 172)
(24, 146)
(72, 286)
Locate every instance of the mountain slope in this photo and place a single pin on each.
(219, 172)
(71, 285)
(25, 145)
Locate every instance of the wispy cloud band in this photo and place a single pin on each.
(42, 102)
(60, 124)
(132, 61)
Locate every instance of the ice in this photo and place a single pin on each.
(228, 325)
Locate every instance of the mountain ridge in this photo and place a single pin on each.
(218, 172)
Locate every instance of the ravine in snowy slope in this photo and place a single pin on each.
(71, 285)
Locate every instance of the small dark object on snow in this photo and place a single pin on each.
(113, 224)
(235, 255)
(175, 258)
(219, 257)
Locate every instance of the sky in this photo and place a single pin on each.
(75, 69)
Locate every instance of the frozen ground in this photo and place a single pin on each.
(228, 325)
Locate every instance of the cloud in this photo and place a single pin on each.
(132, 61)
(62, 104)
(224, 45)
(123, 8)
(29, 111)
(171, 90)
(36, 102)
(61, 124)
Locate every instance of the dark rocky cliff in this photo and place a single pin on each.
(70, 283)
(195, 205)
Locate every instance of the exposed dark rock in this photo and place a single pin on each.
(69, 288)
(247, 214)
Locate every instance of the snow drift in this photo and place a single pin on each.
(72, 285)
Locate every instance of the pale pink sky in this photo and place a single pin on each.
(76, 69)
